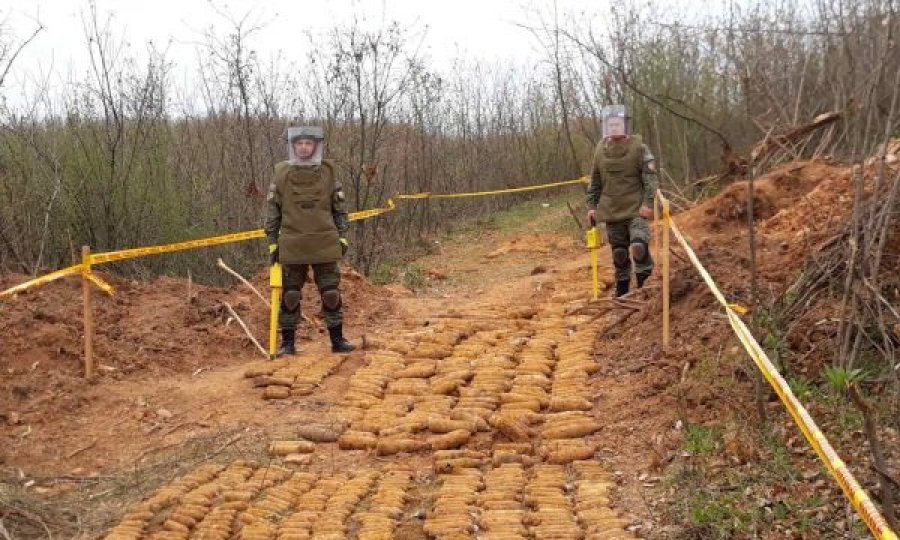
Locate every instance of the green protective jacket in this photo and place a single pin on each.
(623, 177)
(306, 214)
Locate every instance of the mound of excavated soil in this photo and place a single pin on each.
(705, 377)
(144, 329)
(797, 207)
(776, 195)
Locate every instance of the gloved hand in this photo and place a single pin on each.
(592, 217)
(345, 245)
(273, 254)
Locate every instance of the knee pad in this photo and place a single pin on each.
(291, 300)
(331, 299)
(639, 251)
(620, 256)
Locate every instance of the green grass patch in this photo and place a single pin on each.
(385, 273)
(547, 214)
(413, 277)
(721, 515)
(801, 387)
(410, 275)
(701, 440)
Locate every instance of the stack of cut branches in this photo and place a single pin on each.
(860, 266)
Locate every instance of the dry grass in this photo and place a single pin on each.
(85, 506)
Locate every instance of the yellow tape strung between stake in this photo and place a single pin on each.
(851, 487)
(112, 256)
(582, 180)
(121, 255)
(102, 285)
(125, 254)
(42, 280)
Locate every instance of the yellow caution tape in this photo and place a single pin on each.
(853, 491)
(366, 214)
(104, 286)
(112, 256)
(125, 254)
(42, 280)
(391, 204)
(582, 180)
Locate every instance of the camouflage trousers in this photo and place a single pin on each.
(621, 235)
(327, 277)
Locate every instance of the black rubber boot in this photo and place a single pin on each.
(338, 343)
(622, 286)
(641, 278)
(288, 347)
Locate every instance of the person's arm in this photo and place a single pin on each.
(339, 214)
(594, 190)
(649, 176)
(272, 223)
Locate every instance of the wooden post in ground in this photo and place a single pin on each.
(657, 230)
(665, 273)
(88, 312)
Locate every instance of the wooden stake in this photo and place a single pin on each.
(656, 226)
(665, 273)
(88, 312)
(243, 280)
(247, 331)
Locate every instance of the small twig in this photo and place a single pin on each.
(575, 217)
(243, 280)
(181, 425)
(871, 430)
(644, 498)
(4, 532)
(74, 453)
(73, 478)
(678, 255)
(189, 283)
(622, 299)
(28, 515)
(617, 323)
(636, 305)
(228, 443)
(886, 475)
(149, 451)
(640, 292)
(621, 302)
(880, 298)
(246, 330)
(93, 496)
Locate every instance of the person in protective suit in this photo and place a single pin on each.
(306, 225)
(623, 184)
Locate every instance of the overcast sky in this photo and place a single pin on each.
(475, 29)
(483, 29)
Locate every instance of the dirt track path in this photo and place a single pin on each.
(472, 413)
(469, 415)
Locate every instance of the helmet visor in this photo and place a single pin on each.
(615, 121)
(305, 146)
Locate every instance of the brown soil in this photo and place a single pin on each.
(172, 371)
(155, 350)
